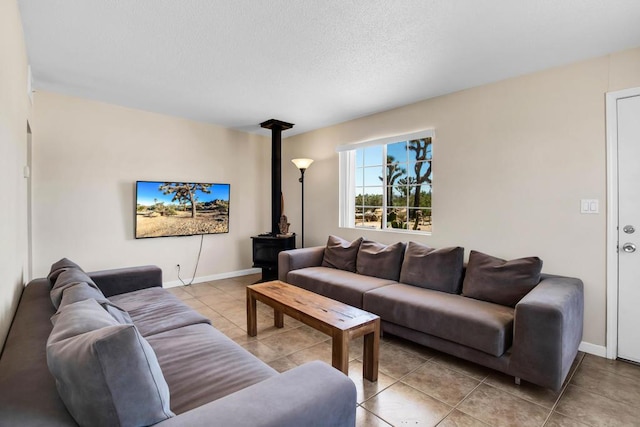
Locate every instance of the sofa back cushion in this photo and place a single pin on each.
(341, 254)
(83, 291)
(79, 292)
(67, 279)
(106, 373)
(59, 266)
(499, 281)
(437, 269)
(378, 260)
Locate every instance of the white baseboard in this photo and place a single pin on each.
(596, 350)
(228, 275)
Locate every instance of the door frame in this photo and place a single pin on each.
(612, 217)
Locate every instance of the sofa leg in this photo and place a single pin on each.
(517, 380)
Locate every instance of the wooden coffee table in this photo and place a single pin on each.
(340, 321)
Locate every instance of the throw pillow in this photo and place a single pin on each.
(67, 279)
(437, 269)
(341, 254)
(106, 373)
(499, 281)
(378, 260)
(59, 266)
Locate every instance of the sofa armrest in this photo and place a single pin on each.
(547, 331)
(123, 280)
(295, 259)
(314, 394)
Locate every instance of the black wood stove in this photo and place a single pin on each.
(267, 246)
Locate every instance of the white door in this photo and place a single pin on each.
(628, 110)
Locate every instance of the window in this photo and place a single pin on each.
(386, 183)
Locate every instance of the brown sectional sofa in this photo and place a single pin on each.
(533, 333)
(183, 371)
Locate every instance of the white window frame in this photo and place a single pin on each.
(347, 165)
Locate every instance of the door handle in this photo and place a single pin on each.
(629, 247)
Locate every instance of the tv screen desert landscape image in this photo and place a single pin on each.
(166, 209)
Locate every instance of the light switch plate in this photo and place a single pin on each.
(589, 206)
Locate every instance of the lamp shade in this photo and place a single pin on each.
(302, 163)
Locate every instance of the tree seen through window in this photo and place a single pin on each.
(393, 185)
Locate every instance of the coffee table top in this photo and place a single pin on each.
(331, 312)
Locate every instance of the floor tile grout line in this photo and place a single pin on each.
(420, 391)
(609, 372)
(378, 392)
(296, 351)
(459, 371)
(612, 371)
(455, 407)
(562, 391)
(465, 398)
(549, 410)
(565, 386)
(519, 397)
(397, 380)
(375, 415)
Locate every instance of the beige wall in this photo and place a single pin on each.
(14, 112)
(511, 162)
(87, 157)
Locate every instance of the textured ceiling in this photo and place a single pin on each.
(314, 63)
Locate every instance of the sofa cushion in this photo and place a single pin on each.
(340, 285)
(437, 269)
(156, 310)
(59, 266)
(477, 324)
(67, 279)
(499, 281)
(106, 373)
(341, 254)
(120, 315)
(378, 260)
(81, 292)
(201, 365)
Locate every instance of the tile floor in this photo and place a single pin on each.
(420, 386)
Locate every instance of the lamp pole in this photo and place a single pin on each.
(302, 164)
(302, 207)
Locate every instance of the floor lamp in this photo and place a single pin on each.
(302, 164)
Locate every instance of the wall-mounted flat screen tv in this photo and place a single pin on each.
(165, 209)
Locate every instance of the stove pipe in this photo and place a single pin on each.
(276, 127)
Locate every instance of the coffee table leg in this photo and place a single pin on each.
(340, 351)
(278, 318)
(252, 321)
(370, 353)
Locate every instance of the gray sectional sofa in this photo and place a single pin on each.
(505, 315)
(114, 348)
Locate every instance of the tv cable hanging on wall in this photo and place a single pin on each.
(195, 269)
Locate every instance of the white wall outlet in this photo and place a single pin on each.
(589, 206)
